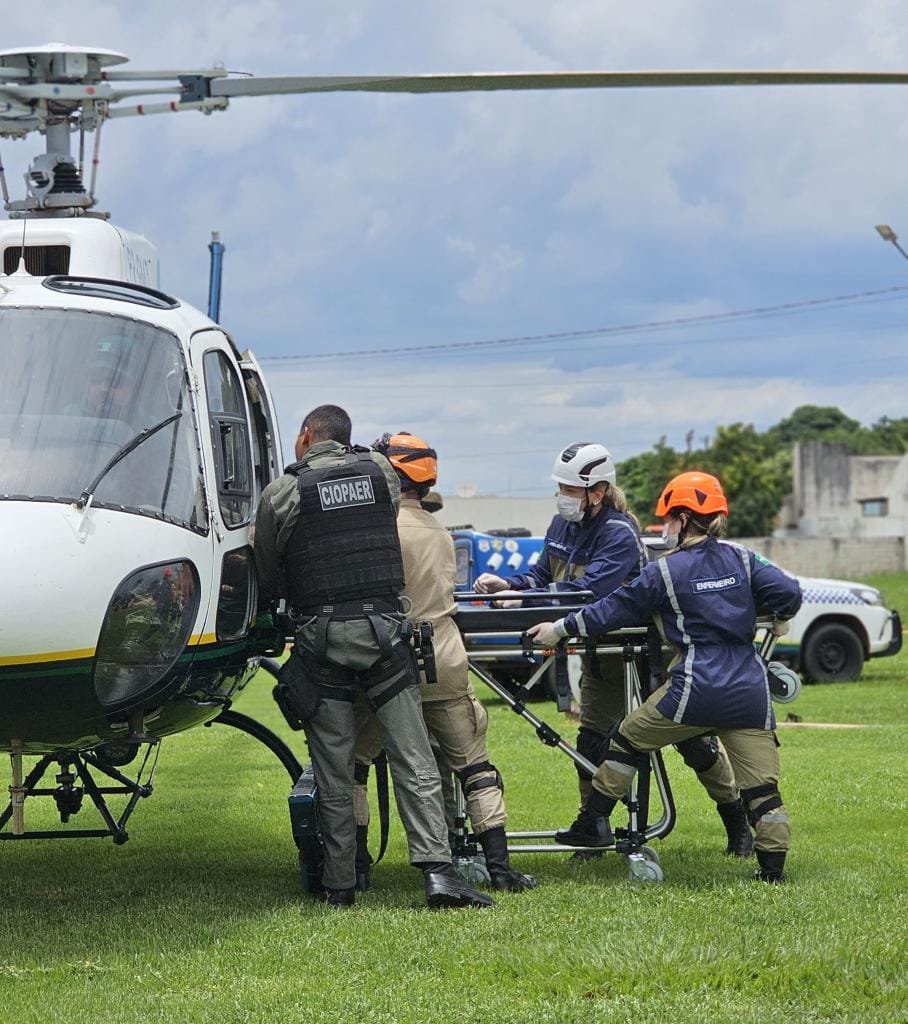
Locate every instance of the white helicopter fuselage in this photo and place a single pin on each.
(135, 440)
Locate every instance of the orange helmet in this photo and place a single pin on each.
(410, 456)
(694, 491)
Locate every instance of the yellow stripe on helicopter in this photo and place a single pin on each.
(31, 659)
(196, 640)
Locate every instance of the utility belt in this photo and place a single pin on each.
(298, 696)
(372, 609)
(345, 610)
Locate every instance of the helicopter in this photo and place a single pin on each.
(136, 438)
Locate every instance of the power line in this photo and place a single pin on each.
(756, 312)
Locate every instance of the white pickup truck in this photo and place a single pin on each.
(840, 625)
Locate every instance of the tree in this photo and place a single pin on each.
(813, 423)
(643, 476)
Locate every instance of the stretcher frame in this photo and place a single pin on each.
(500, 639)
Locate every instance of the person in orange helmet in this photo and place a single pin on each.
(453, 715)
(704, 597)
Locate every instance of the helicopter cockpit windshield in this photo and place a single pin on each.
(77, 387)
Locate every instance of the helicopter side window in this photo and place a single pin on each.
(230, 438)
(237, 595)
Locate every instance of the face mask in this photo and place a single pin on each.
(569, 508)
(670, 541)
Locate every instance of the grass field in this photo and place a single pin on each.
(199, 917)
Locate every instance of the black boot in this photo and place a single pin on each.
(771, 866)
(363, 859)
(340, 899)
(494, 845)
(445, 888)
(740, 838)
(591, 827)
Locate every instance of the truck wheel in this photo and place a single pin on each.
(832, 653)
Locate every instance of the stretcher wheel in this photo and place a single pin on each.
(472, 870)
(650, 854)
(642, 869)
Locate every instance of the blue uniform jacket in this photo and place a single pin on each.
(598, 555)
(705, 599)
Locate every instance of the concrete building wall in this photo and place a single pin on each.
(835, 557)
(831, 488)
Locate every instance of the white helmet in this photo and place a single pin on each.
(583, 465)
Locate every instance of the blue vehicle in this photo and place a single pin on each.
(505, 553)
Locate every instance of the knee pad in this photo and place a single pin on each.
(593, 745)
(773, 799)
(700, 753)
(469, 784)
(622, 751)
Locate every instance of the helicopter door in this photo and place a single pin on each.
(230, 469)
(266, 439)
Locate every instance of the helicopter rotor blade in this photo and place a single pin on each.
(513, 80)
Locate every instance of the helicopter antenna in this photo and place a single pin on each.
(21, 268)
(95, 160)
(3, 187)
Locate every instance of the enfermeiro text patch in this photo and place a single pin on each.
(711, 586)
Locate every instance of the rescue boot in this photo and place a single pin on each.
(363, 859)
(494, 845)
(445, 888)
(340, 899)
(771, 866)
(737, 828)
(591, 828)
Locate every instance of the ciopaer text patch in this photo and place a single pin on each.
(351, 490)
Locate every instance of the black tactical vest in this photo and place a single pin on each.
(344, 545)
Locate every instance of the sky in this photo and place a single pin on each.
(360, 223)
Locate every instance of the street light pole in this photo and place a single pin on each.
(888, 235)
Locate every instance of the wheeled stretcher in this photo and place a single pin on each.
(491, 633)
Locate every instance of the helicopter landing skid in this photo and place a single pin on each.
(77, 766)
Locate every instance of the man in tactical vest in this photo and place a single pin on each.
(326, 540)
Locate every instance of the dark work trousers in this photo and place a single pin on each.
(354, 661)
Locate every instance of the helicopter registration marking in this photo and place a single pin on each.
(352, 490)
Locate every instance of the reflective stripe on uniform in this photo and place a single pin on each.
(742, 551)
(685, 639)
(641, 550)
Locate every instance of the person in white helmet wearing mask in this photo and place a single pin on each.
(593, 543)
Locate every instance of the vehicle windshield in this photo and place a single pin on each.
(77, 387)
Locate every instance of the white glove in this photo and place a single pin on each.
(548, 633)
(489, 583)
(780, 626)
(511, 602)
